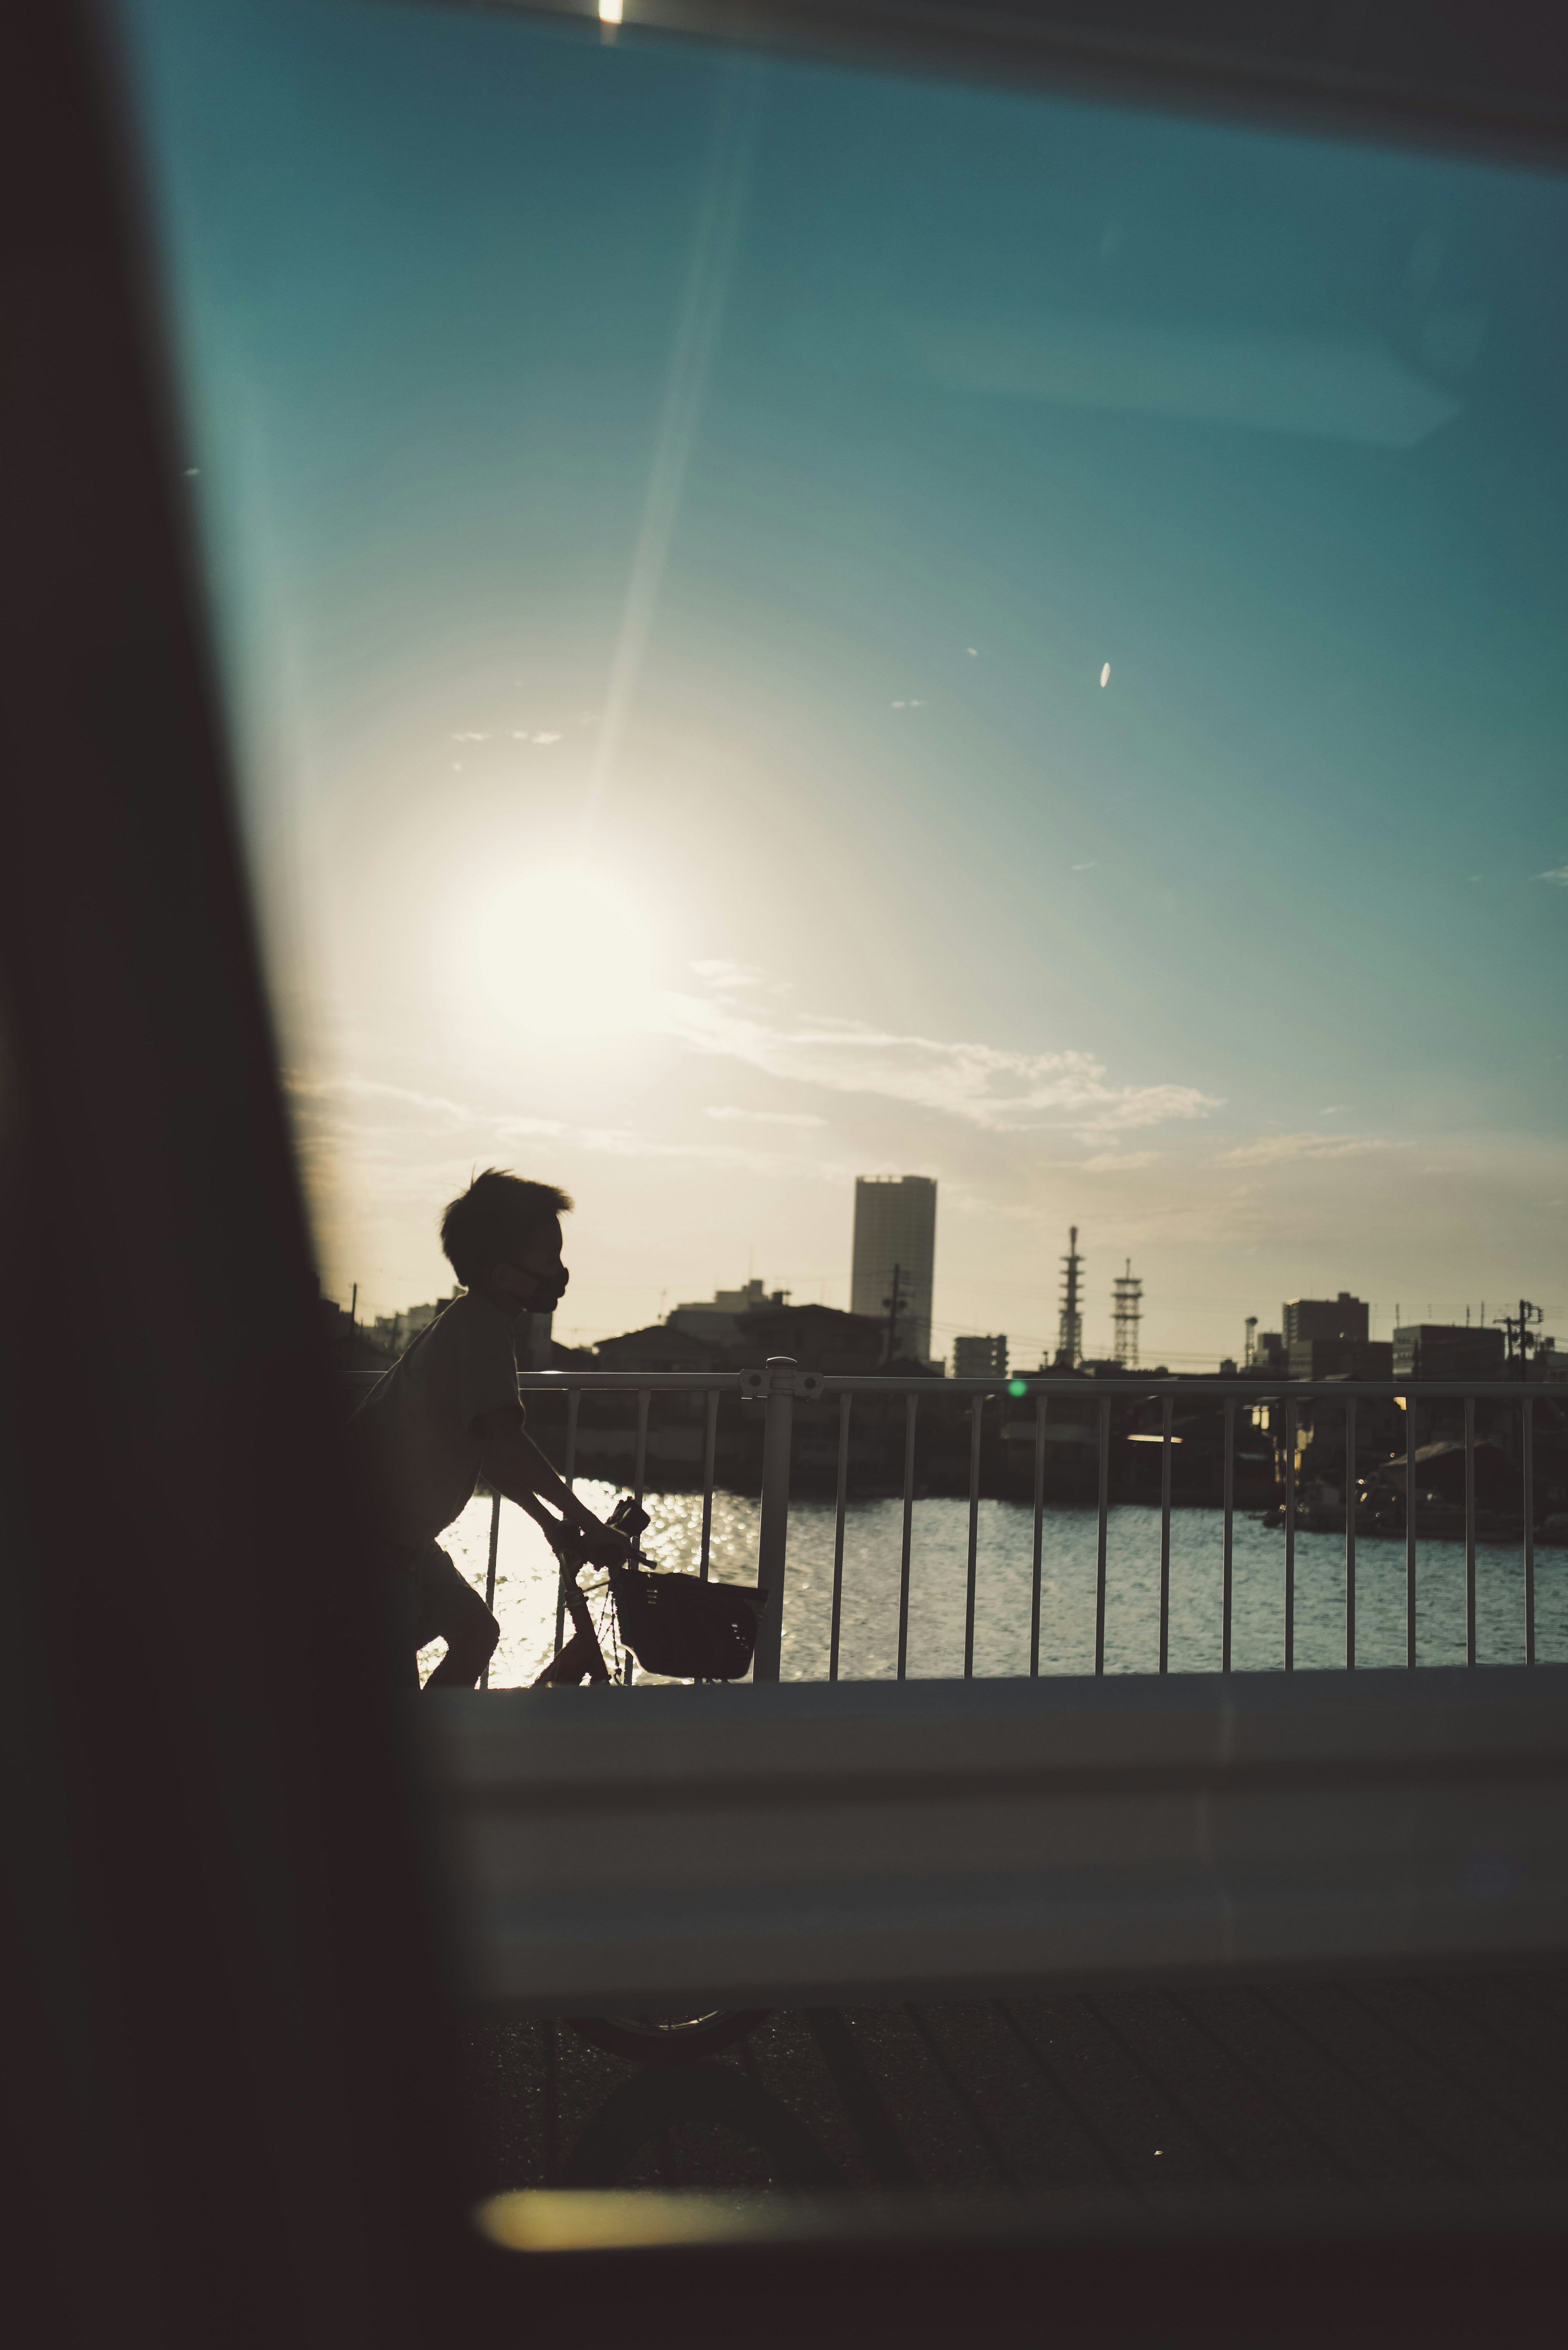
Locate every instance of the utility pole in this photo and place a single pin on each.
(1070, 1329)
(1520, 1330)
(894, 1306)
(354, 1306)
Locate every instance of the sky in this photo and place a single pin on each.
(784, 623)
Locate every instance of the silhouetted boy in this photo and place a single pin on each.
(449, 1408)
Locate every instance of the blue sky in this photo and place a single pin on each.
(669, 519)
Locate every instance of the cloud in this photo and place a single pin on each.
(718, 972)
(768, 1117)
(513, 1129)
(471, 737)
(334, 1108)
(624, 1142)
(1559, 874)
(326, 1098)
(986, 1087)
(1111, 1162)
(325, 1090)
(1085, 868)
(1273, 1148)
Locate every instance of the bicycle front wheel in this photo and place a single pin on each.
(667, 2038)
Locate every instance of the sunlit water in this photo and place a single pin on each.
(526, 1585)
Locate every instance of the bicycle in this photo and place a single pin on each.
(683, 1629)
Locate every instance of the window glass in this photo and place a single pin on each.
(785, 622)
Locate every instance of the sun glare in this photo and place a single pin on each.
(556, 952)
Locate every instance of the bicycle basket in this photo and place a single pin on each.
(684, 1628)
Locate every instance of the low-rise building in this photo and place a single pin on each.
(395, 1333)
(819, 1338)
(718, 1317)
(660, 1347)
(1446, 1350)
(1341, 1358)
(979, 1358)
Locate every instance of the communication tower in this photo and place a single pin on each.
(1070, 1328)
(1127, 1312)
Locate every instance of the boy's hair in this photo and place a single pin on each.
(496, 1216)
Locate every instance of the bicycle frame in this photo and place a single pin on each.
(581, 1658)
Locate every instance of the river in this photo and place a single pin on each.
(526, 1589)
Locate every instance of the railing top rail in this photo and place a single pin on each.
(1132, 1388)
(630, 1382)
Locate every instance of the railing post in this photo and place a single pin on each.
(490, 1576)
(773, 1532)
(1526, 1434)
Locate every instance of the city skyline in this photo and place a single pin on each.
(727, 695)
(725, 1304)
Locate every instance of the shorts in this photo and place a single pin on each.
(430, 1600)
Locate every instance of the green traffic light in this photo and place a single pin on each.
(1017, 1387)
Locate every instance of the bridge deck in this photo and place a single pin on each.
(1438, 2081)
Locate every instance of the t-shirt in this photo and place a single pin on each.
(414, 1432)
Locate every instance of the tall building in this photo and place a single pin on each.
(896, 1227)
(1327, 1337)
(1304, 1318)
(979, 1358)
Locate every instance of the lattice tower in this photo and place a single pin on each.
(1070, 1328)
(1127, 1312)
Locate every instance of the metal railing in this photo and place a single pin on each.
(777, 1385)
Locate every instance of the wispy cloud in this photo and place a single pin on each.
(1274, 1149)
(983, 1085)
(354, 1102)
(336, 1111)
(328, 1089)
(1113, 1162)
(626, 1142)
(1559, 874)
(718, 972)
(768, 1116)
(518, 1130)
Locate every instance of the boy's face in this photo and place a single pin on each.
(534, 1279)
